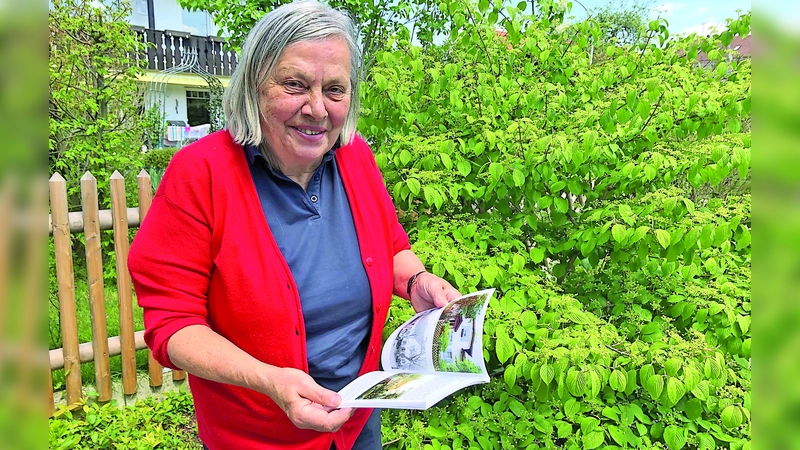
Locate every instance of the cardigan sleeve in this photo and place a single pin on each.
(170, 259)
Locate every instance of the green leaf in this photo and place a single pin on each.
(645, 372)
(510, 375)
(705, 442)
(701, 391)
(743, 241)
(675, 390)
(405, 157)
(505, 349)
(707, 235)
(672, 366)
(595, 384)
(691, 377)
(517, 408)
(694, 409)
(589, 424)
(593, 440)
(546, 373)
(474, 402)
(618, 232)
(732, 416)
(578, 316)
(576, 382)
(639, 234)
(617, 435)
(561, 204)
(446, 161)
(529, 321)
(663, 237)
(644, 109)
(464, 168)
(489, 274)
(744, 323)
(571, 408)
(413, 185)
(674, 437)
(712, 369)
(435, 432)
(519, 178)
(466, 430)
(654, 386)
(618, 380)
(496, 171)
(380, 81)
(537, 255)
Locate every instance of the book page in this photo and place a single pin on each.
(409, 346)
(448, 339)
(403, 389)
(458, 337)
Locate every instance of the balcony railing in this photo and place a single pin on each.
(167, 48)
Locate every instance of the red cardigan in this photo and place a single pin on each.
(192, 263)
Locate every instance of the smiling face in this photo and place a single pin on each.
(304, 102)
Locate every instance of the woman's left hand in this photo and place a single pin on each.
(430, 291)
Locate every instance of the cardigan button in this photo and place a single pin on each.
(369, 261)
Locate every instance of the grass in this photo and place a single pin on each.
(85, 329)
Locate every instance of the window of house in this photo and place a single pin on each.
(195, 22)
(197, 107)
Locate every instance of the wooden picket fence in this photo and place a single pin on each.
(91, 221)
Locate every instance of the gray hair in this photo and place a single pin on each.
(281, 27)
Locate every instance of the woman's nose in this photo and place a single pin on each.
(315, 106)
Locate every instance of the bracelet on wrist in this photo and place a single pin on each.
(412, 280)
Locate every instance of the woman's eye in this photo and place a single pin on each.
(294, 85)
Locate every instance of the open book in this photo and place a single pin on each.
(432, 355)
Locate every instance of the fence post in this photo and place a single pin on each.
(121, 247)
(97, 300)
(66, 287)
(51, 404)
(144, 183)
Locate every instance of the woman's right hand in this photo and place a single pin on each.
(307, 404)
(204, 353)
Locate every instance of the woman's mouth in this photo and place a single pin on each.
(309, 132)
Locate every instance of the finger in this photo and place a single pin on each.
(440, 300)
(452, 294)
(444, 294)
(316, 418)
(318, 394)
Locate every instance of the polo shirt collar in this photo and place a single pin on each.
(252, 152)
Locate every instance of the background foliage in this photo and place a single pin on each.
(607, 199)
(95, 103)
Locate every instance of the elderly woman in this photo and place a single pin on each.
(268, 259)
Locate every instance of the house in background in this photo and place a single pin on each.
(184, 52)
(739, 48)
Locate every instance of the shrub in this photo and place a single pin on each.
(165, 424)
(158, 158)
(608, 202)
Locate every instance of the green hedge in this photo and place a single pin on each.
(164, 424)
(158, 158)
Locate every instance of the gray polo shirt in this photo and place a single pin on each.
(315, 232)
